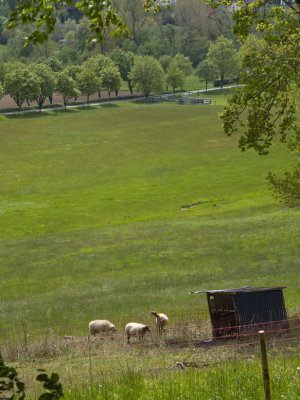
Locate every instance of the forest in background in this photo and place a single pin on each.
(187, 27)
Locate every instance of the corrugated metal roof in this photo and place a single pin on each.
(245, 289)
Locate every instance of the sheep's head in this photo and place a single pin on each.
(113, 328)
(146, 329)
(153, 313)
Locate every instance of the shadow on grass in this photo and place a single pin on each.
(109, 105)
(39, 114)
(147, 103)
(52, 113)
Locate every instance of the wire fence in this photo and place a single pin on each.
(188, 342)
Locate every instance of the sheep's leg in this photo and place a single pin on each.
(128, 339)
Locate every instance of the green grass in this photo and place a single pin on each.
(192, 82)
(235, 380)
(91, 220)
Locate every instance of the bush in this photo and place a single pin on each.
(218, 82)
(15, 389)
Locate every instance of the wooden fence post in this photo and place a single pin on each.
(264, 363)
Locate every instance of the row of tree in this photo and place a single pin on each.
(38, 81)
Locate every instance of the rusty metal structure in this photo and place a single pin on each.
(234, 312)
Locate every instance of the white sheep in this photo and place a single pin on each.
(161, 320)
(101, 326)
(135, 329)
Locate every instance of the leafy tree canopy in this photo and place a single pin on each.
(100, 13)
(225, 58)
(111, 79)
(124, 61)
(183, 63)
(265, 108)
(88, 83)
(175, 76)
(22, 84)
(206, 70)
(147, 74)
(66, 86)
(47, 82)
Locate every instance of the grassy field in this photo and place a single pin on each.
(234, 381)
(115, 210)
(91, 219)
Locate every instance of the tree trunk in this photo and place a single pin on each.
(41, 101)
(18, 102)
(221, 82)
(130, 87)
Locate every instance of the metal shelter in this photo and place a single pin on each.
(236, 311)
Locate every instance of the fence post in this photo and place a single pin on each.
(90, 363)
(264, 363)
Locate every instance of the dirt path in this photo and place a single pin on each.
(8, 102)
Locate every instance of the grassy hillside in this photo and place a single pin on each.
(92, 225)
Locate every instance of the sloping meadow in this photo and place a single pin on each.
(124, 209)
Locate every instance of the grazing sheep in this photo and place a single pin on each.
(135, 329)
(161, 320)
(101, 326)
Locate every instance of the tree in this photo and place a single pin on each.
(53, 63)
(225, 58)
(68, 55)
(287, 189)
(194, 46)
(82, 35)
(1, 91)
(111, 79)
(97, 64)
(192, 14)
(42, 16)
(47, 82)
(124, 61)
(168, 40)
(165, 62)
(87, 82)
(73, 71)
(3, 36)
(133, 14)
(183, 63)
(206, 71)
(22, 84)
(174, 77)
(66, 86)
(265, 108)
(2, 72)
(147, 74)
